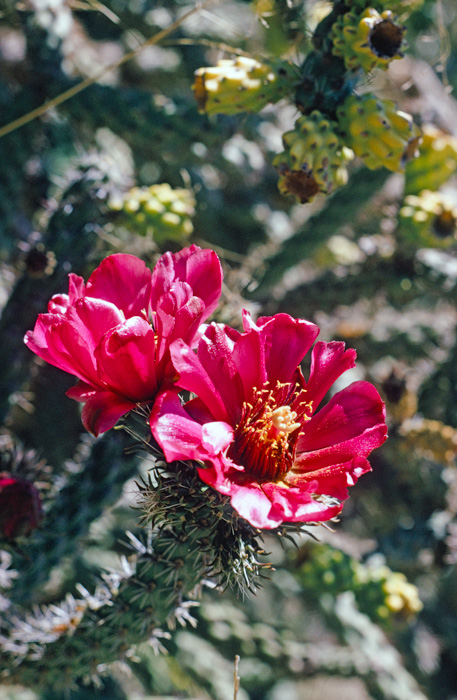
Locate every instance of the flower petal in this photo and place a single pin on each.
(179, 436)
(123, 280)
(102, 411)
(126, 360)
(332, 480)
(351, 424)
(194, 378)
(328, 362)
(286, 341)
(200, 268)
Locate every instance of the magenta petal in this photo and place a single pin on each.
(249, 359)
(252, 503)
(215, 352)
(76, 287)
(178, 435)
(81, 391)
(314, 512)
(200, 268)
(194, 378)
(59, 304)
(286, 341)
(333, 480)
(216, 437)
(351, 424)
(126, 360)
(177, 316)
(123, 280)
(102, 411)
(328, 362)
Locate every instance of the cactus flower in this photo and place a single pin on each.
(114, 332)
(20, 506)
(255, 424)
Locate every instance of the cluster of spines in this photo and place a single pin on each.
(192, 534)
(368, 40)
(380, 593)
(377, 132)
(242, 84)
(158, 211)
(314, 159)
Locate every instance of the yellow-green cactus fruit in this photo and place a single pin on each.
(431, 438)
(370, 40)
(158, 210)
(384, 594)
(377, 132)
(436, 162)
(428, 219)
(402, 8)
(401, 596)
(314, 159)
(243, 85)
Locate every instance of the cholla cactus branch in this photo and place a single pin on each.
(92, 483)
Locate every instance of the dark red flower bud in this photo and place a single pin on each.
(20, 506)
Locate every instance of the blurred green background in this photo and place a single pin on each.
(369, 610)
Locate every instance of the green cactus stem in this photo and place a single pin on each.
(192, 534)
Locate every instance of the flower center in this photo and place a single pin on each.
(266, 436)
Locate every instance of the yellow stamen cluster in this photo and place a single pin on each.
(266, 434)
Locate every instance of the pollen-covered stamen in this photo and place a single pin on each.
(283, 419)
(267, 433)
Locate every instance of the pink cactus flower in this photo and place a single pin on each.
(255, 424)
(20, 506)
(114, 333)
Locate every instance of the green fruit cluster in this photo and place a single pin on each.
(377, 132)
(429, 219)
(436, 162)
(380, 593)
(243, 85)
(398, 7)
(158, 210)
(369, 40)
(314, 159)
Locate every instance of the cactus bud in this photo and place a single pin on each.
(314, 159)
(242, 85)
(377, 132)
(370, 40)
